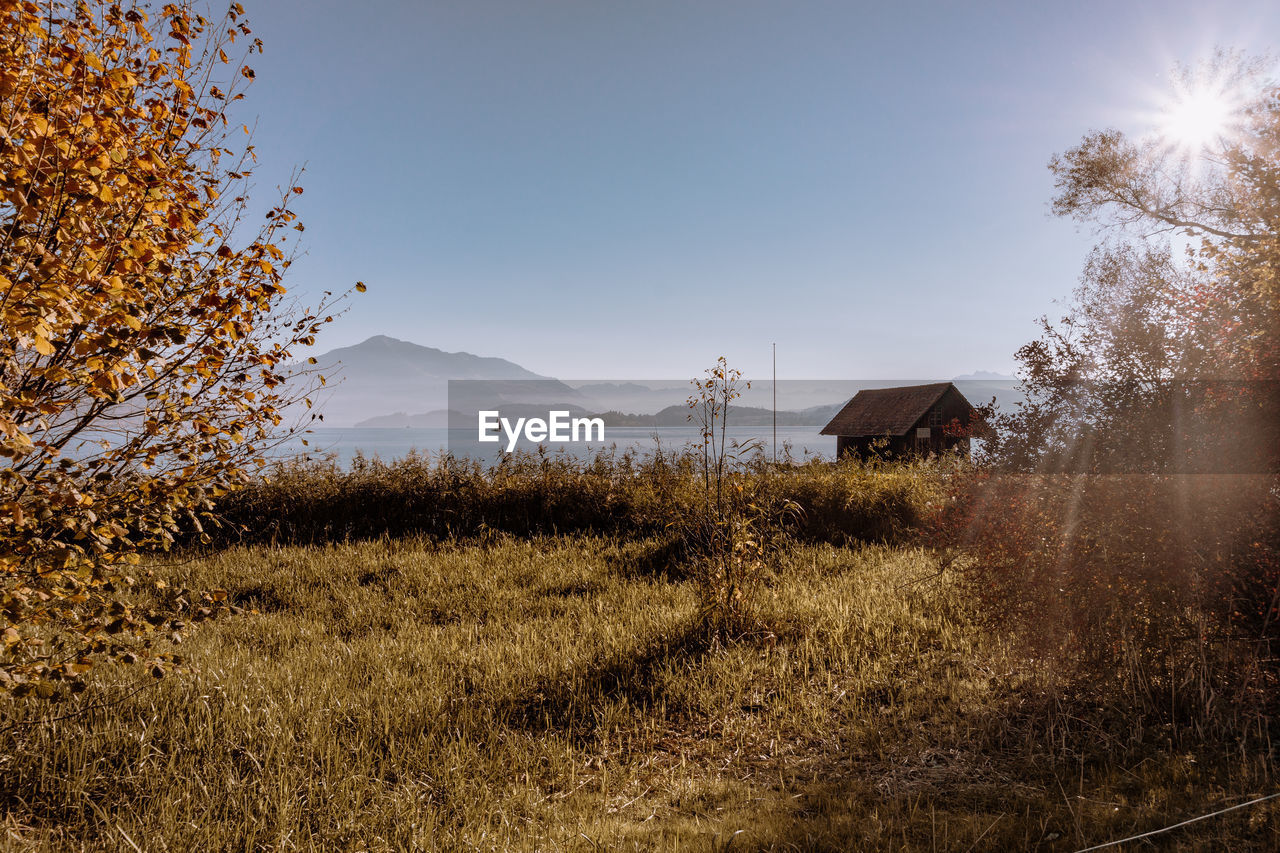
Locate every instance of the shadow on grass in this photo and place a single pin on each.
(259, 597)
(573, 589)
(569, 704)
(660, 556)
(1030, 770)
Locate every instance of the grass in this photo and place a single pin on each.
(560, 693)
(623, 494)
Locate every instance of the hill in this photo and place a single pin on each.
(739, 416)
(383, 375)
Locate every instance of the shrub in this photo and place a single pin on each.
(616, 493)
(1176, 574)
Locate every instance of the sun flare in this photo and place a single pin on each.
(1197, 118)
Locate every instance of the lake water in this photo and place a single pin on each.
(389, 444)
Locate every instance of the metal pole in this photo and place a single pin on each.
(775, 403)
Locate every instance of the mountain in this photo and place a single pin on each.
(633, 396)
(984, 376)
(398, 420)
(381, 355)
(739, 416)
(383, 375)
(381, 381)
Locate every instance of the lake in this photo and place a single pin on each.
(395, 443)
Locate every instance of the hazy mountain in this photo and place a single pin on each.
(739, 416)
(398, 420)
(384, 375)
(984, 376)
(467, 419)
(633, 396)
(380, 381)
(380, 355)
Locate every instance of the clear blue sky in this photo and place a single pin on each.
(618, 188)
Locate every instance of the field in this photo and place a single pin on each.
(1047, 619)
(563, 693)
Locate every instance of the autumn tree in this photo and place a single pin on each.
(1134, 508)
(144, 337)
(1177, 318)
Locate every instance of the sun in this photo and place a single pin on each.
(1198, 118)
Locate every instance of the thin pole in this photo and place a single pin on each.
(775, 403)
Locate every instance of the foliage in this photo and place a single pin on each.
(729, 531)
(1166, 362)
(709, 409)
(143, 347)
(1132, 509)
(860, 499)
(1174, 574)
(314, 501)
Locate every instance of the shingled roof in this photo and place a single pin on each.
(885, 411)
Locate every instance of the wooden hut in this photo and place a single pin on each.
(913, 419)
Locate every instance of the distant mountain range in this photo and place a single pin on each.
(380, 355)
(383, 373)
(404, 420)
(742, 416)
(984, 376)
(390, 383)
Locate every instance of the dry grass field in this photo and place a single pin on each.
(561, 693)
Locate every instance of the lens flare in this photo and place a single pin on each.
(1199, 118)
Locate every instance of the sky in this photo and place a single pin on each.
(610, 189)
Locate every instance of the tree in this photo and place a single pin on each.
(1165, 365)
(1156, 337)
(1222, 194)
(143, 343)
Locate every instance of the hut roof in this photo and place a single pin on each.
(886, 411)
